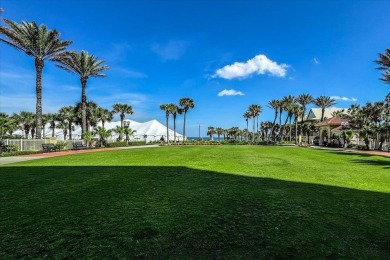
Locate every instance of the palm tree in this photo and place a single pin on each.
(247, 115)
(40, 43)
(51, 119)
(324, 102)
(219, 132)
(297, 111)
(91, 114)
(121, 130)
(288, 102)
(28, 121)
(63, 125)
(67, 115)
(211, 132)
(186, 104)
(85, 66)
(167, 109)
(304, 100)
(255, 111)
(384, 62)
(104, 115)
(123, 109)
(174, 110)
(274, 104)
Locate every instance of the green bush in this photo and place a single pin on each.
(117, 144)
(63, 145)
(16, 153)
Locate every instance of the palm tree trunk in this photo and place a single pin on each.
(70, 130)
(322, 114)
(284, 126)
(54, 128)
(290, 128)
(254, 125)
(273, 125)
(83, 106)
(167, 130)
(280, 124)
(184, 127)
(39, 68)
(122, 119)
(174, 128)
(296, 131)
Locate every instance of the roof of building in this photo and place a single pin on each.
(315, 113)
(334, 121)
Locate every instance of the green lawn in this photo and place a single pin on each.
(197, 202)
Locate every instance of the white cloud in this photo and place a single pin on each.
(352, 99)
(315, 61)
(260, 64)
(230, 92)
(173, 50)
(129, 73)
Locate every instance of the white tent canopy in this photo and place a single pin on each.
(153, 130)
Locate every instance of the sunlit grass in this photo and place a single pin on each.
(200, 202)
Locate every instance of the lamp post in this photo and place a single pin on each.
(127, 124)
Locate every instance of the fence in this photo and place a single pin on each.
(34, 144)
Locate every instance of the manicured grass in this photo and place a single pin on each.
(197, 202)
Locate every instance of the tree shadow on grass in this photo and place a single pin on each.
(367, 159)
(180, 212)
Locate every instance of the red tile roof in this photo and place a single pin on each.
(335, 121)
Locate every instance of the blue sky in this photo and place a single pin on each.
(160, 51)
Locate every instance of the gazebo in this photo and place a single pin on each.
(332, 125)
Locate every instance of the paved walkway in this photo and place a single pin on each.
(28, 157)
(380, 153)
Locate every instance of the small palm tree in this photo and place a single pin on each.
(219, 132)
(324, 102)
(121, 130)
(85, 66)
(28, 121)
(40, 43)
(104, 115)
(123, 109)
(247, 115)
(103, 135)
(211, 132)
(186, 104)
(67, 115)
(51, 119)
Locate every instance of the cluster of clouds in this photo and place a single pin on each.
(260, 65)
(352, 99)
(173, 50)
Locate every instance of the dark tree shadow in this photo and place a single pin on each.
(366, 159)
(178, 212)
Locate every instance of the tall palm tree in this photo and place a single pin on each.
(384, 62)
(174, 110)
(67, 115)
(304, 100)
(91, 114)
(104, 115)
(297, 111)
(324, 102)
(40, 43)
(247, 115)
(288, 102)
(254, 110)
(85, 66)
(167, 109)
(186, 104)
(274, 104)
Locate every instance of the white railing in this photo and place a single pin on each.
(34, 144)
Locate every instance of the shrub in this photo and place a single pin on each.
(117, 144)
(16, 153)
(63, 145)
